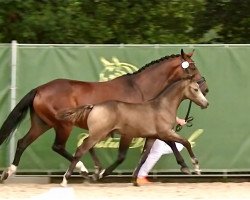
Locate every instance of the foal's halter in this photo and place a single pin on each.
(188, 119)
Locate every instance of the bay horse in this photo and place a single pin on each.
(47, 100)
(152, 119)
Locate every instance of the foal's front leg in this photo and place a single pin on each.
(179, 158)
(171, 135)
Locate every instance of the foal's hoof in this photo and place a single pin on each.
(185, 170)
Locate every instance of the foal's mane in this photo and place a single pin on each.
(154, 62)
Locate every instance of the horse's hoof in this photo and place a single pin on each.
(85, 175)
(198, 172)
(98, 176)
(135, 183)
(63, 184)
(95, 177)
(4, 176)
(185, 170)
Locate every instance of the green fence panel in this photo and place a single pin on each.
(223, 133)
(5, 80)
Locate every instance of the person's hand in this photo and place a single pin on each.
(180, 121)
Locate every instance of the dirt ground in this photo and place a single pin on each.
(125, 191)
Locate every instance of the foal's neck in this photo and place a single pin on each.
(172, 96)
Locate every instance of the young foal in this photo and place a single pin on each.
(152, 119)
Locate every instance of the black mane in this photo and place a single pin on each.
(154, 62)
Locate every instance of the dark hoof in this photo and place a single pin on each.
(4, 176)
(185, 170)
(85, 175)
(95, 177)
(135, 183)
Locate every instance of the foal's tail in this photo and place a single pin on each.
(75, 114)
(16, 116)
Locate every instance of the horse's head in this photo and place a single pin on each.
(193, 92)
(188, 66)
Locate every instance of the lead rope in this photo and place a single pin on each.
(187, 119)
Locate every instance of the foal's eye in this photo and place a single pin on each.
(196, 90)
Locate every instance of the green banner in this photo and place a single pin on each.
(5, 88)
(222, 142)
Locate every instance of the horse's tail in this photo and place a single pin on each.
(74, 114)
(16, 116)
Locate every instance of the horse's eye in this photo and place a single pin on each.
(196, 90)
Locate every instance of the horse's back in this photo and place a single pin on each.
(61, 94)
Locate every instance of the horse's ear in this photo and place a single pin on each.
(190, 54)
(182, 54)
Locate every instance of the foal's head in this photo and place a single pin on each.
(193, 92)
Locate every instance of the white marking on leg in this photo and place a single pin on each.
(101, 173)
(64, 182)
(80, 166)
(12, 169)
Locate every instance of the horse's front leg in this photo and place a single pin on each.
(179, 158)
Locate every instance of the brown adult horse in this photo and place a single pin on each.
(47, 100)
(151, 119)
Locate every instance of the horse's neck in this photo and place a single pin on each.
(154, 79)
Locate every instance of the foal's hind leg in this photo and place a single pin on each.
(62, 135)
(179, 158)
(87, 143)
(38, 127)
(98, 166)
(123, 148)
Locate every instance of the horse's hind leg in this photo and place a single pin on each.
(179, 158)
(146, 150)
(38, 127)
(62, 135)
(123, 148)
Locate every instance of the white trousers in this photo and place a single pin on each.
(158, 149)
